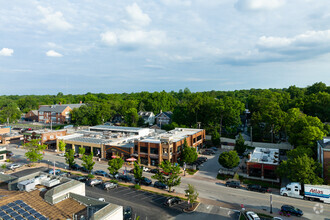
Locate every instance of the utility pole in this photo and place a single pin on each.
(251, 136)
(271, 203)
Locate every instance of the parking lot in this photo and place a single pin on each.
(146, 205)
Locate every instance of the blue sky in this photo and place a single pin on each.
(110, 46)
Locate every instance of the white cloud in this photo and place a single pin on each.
(134, 37)
(259, 4)
(177, 2)
(6, 52)
(110, 38)
(273, 42)
(52, 53)
(137, 17)
(54, 20)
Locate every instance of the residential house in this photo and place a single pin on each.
(323, 156)
(163, 118)
(47, 137)
(56, 114)
(31, 116)
(148, 117)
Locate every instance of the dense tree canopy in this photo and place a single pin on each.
(229, 159)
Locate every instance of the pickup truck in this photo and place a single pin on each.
(257, 188)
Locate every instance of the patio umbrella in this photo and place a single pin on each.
(132, 159)
(114, 156)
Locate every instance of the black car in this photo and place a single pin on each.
(127, 213)
(207, 153)
(204, 159)
(80, 178)
(210, 150)
(154, 171)
(160, 185)
(83, 169)
(232, 183)
(75, 167)
(257, 188)
(144, 181)
(172, 201)
(292, 210)
(125, 178)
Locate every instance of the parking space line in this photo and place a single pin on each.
(139, 194)
(149, 197)
(132, 192)
(123, 190)
(160, 197)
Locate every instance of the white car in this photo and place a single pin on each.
(146, 169)
(252, 216)
(60, 154)
(14, 166)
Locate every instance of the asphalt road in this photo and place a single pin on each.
(208, 187)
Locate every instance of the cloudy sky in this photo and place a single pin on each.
(110, 46)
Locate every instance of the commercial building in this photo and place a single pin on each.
(7, 136)
(262, 163)
(323, 156)
(150, 146)
(57, 114)
(42, 196)
(47, 137)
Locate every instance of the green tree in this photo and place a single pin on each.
(240, 146)
(215, 137)
(81, 150)
(229, 159)
(88, 162)
(300, 168)
(34, 149)
(114, 165)
(191, 194)
(10, 113)
(131, 117)
(189, 154)
(137, 171)
(173, 179)
(69, 157)
(61, 145)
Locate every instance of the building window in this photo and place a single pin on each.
(136, 148)
(1, 157)
(154, 150)
(143, 149)
(41, 113)
(199, 137)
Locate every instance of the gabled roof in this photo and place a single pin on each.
(145, 114)
(34, 112)
(167, 114)
(325, 143)
(58, 108)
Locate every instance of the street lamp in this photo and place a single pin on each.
(184, 170)
(271, 203)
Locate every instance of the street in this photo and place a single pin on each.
(210, 188)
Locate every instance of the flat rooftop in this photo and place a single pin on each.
(62, 210)
(174, 135)
(265, 156)
(117, 128)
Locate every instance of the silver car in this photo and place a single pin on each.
(14, 166)
(94, 182)
(109, 185)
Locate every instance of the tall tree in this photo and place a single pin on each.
(137, 172)
(191, 194)
(240, 146)
(69, 158)
(189, 154)
(10, 113)
(34, 149)
(61, 146)
(88, 162)
(114, 165)
(173, 179)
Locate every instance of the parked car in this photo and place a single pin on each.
(76, 155)
(125, 178)
(83, 169)
(75, 167)
(146, 169)
(154, 170)
(292, 210)
(233, 183)
(109, 185)
(113, 176)
(160, 185)
(252, 216)
(172, 201)
(101, 173)
(131, 171)
(209, 150)
(127, 213)
(57, 172)
(206, 153)
(80, 178)
(66, 174)
(94, 182)
(257, 188)
(9, 154)
(165, 173)
(144, 181)
(14, 166)
(214, 148)
(60, 154)
(202, 159)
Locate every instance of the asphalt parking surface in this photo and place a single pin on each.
(144, 204)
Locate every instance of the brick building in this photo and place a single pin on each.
(323, 156)
(57, 114)
(32, 115)
(47, 137)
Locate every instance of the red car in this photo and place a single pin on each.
(165, 173)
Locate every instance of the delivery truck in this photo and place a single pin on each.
(307, 191)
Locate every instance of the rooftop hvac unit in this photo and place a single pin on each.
(26, 185)
(51, 183)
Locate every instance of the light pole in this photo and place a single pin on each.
(271, 203)
(184, 169)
